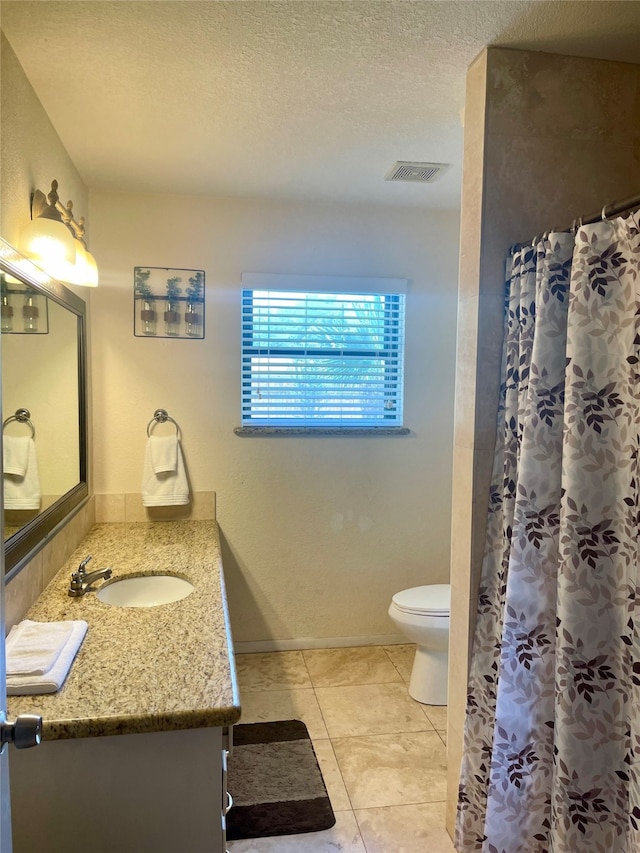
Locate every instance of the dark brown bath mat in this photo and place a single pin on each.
(275, 782)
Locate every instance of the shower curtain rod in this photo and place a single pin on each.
(608, 211)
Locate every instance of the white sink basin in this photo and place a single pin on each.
(146, 591)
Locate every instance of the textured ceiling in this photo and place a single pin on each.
(305, 100)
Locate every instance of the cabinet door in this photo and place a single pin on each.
(155, 793)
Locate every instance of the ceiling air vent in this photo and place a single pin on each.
(422, 173)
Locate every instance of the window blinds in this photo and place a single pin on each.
(319, 357)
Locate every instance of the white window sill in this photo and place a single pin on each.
(340, 432)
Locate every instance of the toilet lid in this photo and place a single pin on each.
(433, 600)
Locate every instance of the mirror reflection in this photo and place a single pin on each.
(40, 374)
(43, 404)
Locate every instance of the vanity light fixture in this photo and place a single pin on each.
(56, 241)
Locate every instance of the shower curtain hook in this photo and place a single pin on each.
(604, 213)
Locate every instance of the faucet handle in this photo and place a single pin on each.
(82, 568)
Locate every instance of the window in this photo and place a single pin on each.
(314, 355)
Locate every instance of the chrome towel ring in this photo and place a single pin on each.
(23, 416)
(160, 416)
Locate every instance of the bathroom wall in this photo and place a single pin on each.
(306, 521)
(31, 156)
(318, 532)
(547, 138)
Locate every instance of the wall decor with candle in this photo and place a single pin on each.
(168, 303)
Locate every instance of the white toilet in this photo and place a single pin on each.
(422, 615)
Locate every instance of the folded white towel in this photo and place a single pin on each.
(22, 491)
(54, 678)
(15, 452)
(165, 489)
(34, 647)
(164, 453)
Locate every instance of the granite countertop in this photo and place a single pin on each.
(142, 669)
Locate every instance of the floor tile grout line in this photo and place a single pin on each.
(324, 722)
(364, 843)
(362, 838)
(385, 734)
(344, 784)
(425, 712)
(401, 731)
(402, 679)
(306, 669)
(398, 805)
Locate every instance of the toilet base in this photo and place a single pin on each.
(429, 677)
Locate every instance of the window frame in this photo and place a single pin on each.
(394, 313)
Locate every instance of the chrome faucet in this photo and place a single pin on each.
(81, 580)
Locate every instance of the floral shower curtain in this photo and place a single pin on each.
(552, 735)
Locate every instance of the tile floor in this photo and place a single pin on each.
(381, 753)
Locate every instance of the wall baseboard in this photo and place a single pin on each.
(317, 643)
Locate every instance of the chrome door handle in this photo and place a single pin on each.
(25, 732)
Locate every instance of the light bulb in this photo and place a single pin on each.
(51, 245)
(86, 269)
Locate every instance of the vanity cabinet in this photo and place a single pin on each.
(134, 745)
(159, 792)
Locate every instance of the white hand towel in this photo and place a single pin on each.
(15, 452)
(34, 647)
(165, 489)
(53, 679)
(23, 492)
(164, 453)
